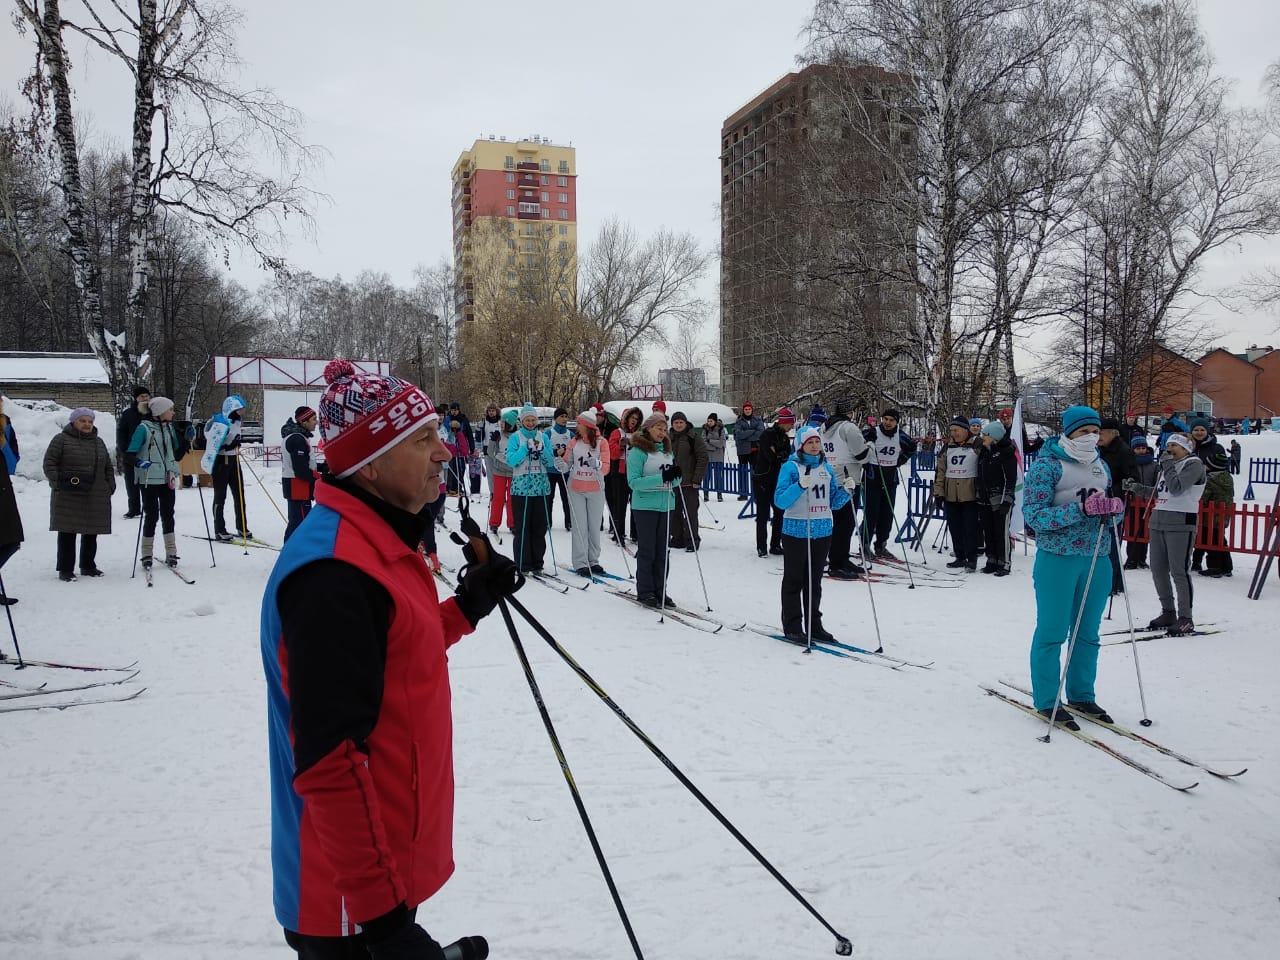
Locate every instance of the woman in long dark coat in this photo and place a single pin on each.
(10, 521)
(82, 479)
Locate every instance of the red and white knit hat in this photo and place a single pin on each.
(363, 415)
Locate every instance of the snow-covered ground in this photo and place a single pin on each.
(920, 816)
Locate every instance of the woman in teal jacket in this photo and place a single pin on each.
(650, 474)
(530, 458)
(156, 447)
(1065, 503)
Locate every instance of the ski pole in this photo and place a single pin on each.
(248, 464)
(666, 564)
(8, 612)
(1133, 640)
(808, 568)
(546, 515)
(893, 515)
(844, 947)
(208, 534)
(684, 510)
(1075, 633)
(244, 520)
(875, 617)
(618, 540)
(564, 768)
(138, 544)
(706, 505)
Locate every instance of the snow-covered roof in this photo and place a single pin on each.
(51, 368)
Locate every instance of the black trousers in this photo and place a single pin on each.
(559, 480)
(226, 475)
(651, 552)
(531, 531)
(67, 551)
(684, 523)
(962, 522)
(842, 524)
(768, 517)
(157, 504)
(617, 493)
(803, 563)
(995, 528)
(877, 523)
(332, 948)
(131, 486)
(298, 510)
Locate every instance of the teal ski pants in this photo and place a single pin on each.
(1060, 590)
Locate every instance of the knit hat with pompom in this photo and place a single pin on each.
(363, 415)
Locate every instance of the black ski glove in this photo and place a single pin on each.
(939, 501)
(670, 473)
(488, 576)
(410, 942)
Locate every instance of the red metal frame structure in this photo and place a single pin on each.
(284, 371)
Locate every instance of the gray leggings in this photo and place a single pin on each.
(1170, 567)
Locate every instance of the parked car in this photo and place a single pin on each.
(252, 431)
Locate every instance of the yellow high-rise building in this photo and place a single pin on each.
(515, 224)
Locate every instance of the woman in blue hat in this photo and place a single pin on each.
(1066, 504)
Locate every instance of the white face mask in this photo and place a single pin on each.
(1081, 449)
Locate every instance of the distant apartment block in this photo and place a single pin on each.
(515, 223)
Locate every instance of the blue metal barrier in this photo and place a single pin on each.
(1262, 470)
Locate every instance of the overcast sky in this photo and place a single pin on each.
(640, 89)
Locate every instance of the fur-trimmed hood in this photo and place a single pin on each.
(641, 441)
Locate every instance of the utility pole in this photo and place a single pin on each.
(435, 356)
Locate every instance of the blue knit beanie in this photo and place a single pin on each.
(975, 421)
(1073, 418)
(993, 428)
(817, 414)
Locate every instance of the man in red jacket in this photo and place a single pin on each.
(354, 641)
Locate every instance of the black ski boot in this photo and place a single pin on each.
(1166, 620)
(1062, 718)
(1092, 709)
(822, 634)
(761, 552)
(1183, 627)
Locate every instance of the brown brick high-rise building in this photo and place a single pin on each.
(810, 259)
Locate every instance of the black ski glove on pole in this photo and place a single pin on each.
(671, 473)
(487, 577)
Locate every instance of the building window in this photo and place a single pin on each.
(511, 211)
(511, 260)
(564, 244)
(544, 165)
(562, 181)
(528, 208)
(564, 231)
(511, 277)
(546, 196)
(511, 178)
(530, 261)
(564, 166)
(546, 181)
(511, 244)
(511, 194)
(546, 213)
(564, 214)
(562, 197)
(528, 229)
(509, 163)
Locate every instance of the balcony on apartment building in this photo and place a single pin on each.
(528, 165)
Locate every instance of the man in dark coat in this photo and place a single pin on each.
(772, 450)
(689, 451)
(126, 427)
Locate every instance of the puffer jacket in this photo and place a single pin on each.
(156, 443)
(73, 452)
(997, 473)
(620, 439)
(1064, 529)
(648, 492)
(717, 440)
(788, 491)
(955, 489)
(689, 451)
(495, 448)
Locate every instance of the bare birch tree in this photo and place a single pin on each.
(204, 160)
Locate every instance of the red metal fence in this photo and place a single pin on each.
(1240, 528)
